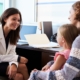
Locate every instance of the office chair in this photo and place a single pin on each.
(46, 27)
(53, 37)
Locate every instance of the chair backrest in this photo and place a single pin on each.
(47, 28)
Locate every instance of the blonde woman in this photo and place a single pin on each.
(72, 66)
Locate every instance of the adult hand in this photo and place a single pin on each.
(12, 71)
(23, 60)
(46, 67)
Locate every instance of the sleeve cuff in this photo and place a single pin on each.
(16, 63)
(19, 57)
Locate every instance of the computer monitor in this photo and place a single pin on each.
(27, 29)
(47, 28)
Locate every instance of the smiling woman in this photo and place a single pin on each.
(12, 65)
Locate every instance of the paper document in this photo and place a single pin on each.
(50, 44)
(39, 40)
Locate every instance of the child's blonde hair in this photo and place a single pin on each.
(69, 32)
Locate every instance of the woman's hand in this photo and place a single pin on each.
(46, 67)
(12, 71)
(23, 60)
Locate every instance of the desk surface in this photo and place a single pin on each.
(47, 49)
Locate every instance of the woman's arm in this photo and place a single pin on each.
(8, 58)
(10, 55)
(58, 64)
(47, 66)
(16, 57)
(13, 52)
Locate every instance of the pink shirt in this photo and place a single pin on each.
(65, 53)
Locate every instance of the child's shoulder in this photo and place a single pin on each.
(64, 53)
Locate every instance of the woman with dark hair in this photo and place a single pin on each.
(71, 68)
(11, 65)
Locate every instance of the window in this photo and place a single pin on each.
(3, 5)
(53, 10)
(1, 8)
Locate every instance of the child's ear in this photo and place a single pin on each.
(63, 40)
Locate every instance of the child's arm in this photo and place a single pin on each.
(58, 64)
(47, 66)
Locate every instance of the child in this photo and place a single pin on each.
(65, 37)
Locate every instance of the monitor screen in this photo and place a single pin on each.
(47, 28)
(27, 29)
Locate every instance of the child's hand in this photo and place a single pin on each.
(23, 60)
(32, 74)
(34, 70)
(46, 67)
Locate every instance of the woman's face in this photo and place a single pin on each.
(72, 17)
(12, 22)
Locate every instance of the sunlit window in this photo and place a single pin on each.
(1, 6)
(53, 10)
(4, 4)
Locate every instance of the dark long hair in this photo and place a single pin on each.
(14, 34)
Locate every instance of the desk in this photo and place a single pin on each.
(37, 57)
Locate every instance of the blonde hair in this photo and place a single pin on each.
(69, 32)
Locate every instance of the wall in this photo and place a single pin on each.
(26, 8)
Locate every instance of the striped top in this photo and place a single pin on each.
(70, 69)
